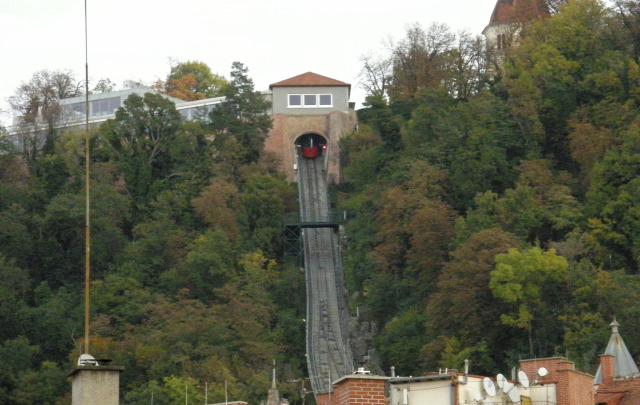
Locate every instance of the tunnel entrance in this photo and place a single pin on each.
(311, 145)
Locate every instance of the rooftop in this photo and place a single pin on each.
(620, 392)
(509, 11)
(623, 364)
(309, 79)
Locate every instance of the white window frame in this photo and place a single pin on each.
(303, 101)
(325, 105)
(295, 105)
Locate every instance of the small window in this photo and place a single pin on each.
(310, 100)
(502, 41)
(295, 100)
(325, 100)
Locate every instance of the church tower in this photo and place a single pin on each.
(507, 19)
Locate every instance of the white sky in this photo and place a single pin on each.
(277, 39)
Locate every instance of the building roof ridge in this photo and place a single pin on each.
(309, 79)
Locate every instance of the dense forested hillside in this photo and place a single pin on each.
(189, 284)
(494, 195)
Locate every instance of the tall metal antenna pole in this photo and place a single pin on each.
(87, 263)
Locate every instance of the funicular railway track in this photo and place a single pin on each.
(328, 353)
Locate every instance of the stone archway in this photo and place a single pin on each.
(312, 139)
(287, 130)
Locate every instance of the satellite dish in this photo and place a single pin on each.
(489, 387)
(87, 360)
(542, 371)
(507, 386)
(501, 379)
(477, 395)
(523, 378)
(514, 395)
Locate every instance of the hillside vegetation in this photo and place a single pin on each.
(494, 196)
(493, 203)
(189, 287)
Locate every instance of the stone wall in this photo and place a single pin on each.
(287, 128)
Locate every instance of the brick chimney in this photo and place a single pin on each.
(359, 389)
(606, 368)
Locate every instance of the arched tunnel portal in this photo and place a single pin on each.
(311, 145)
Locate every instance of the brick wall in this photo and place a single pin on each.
(287, 128)
(359, 390)
(324, 399)
(572, 387)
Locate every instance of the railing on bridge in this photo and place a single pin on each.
(332, 219)
(293, 226)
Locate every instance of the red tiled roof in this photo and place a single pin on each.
(310, 79)
(610, 398)
(507, 11)
(620, 392)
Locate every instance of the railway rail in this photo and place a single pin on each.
(328, 353)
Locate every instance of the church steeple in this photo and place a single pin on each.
(623, 364)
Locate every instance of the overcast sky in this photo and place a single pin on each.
(277, 39)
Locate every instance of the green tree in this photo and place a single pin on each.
(241, 122)
(60, 242)
(14, 294)
(18, 356)
(47, 385)
(454, 355)
(612, 203)
(473, 141)
(209, 265)
(158, 245)
(118, 302)
(539, 208)
(139, 139)
(400, 340)
(193, 80)
(575, 58)
(263, 200)
(533, 283)
(463, 305)
(361, 157)
(53, 322)
(386, 125)
(629, 14)
(176, 389)
(217, 204)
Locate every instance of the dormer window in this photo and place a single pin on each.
(310, 100)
